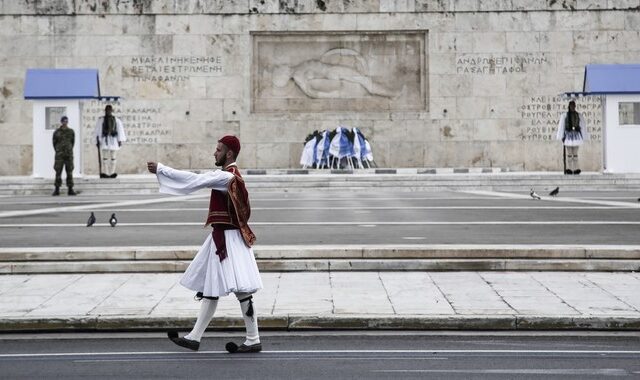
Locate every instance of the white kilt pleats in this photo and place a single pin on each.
(237, 273)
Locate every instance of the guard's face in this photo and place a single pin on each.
(221, 154)
(572, 107)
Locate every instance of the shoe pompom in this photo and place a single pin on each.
(231, 347)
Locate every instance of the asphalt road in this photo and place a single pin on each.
(348, 355)
(325, 217)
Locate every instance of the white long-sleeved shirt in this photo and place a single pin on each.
(109, 142)
(180, 182)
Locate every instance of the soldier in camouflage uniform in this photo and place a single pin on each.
(63, 140)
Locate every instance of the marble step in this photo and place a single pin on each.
(146, 184)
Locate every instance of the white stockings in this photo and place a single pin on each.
(207, 310)
(250, 318)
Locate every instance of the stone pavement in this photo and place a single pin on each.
(330, 300)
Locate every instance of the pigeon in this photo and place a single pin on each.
(113, 221)
(555, 192)
(534, 195)
(91, 220)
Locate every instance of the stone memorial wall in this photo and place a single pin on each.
(431, 83)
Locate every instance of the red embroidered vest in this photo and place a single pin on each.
(221, 209)
(230, 211)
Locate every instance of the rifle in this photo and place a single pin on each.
(564, 155)
(99, 156)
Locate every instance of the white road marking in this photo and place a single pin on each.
(337, 199)
(331, 208)
(29, 201)
(440, 208)
(118, 206)
(486, 195)
(359, 224)
(257, 358)
(12, 201)
(344, 247)
(554, 199)
(39, 211)
(337, 333)
(424, 351)
(524, 371)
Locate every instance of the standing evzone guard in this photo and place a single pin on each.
(109, 135)
(225, 263)
(572, 130)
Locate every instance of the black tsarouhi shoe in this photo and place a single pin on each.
(182, 342)
(233, 348)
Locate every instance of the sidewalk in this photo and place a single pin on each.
(330, 300)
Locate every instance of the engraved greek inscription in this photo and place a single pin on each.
(544, 112)
(503, 64)
(142, 121)
(173, 68)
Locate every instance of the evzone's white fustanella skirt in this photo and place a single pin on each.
(573, 138)
(237, 273)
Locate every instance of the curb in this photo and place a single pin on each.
(342, 322)
(330, 258)
(323, 265)
(320, 265)
(371, 252)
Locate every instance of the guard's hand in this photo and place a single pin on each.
(119, 143)
(152, 167)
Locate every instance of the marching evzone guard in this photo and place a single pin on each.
(109, 136)
(225, 263)
(572, 130)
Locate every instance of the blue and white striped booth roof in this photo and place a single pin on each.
(64, 84)
(609, 79)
